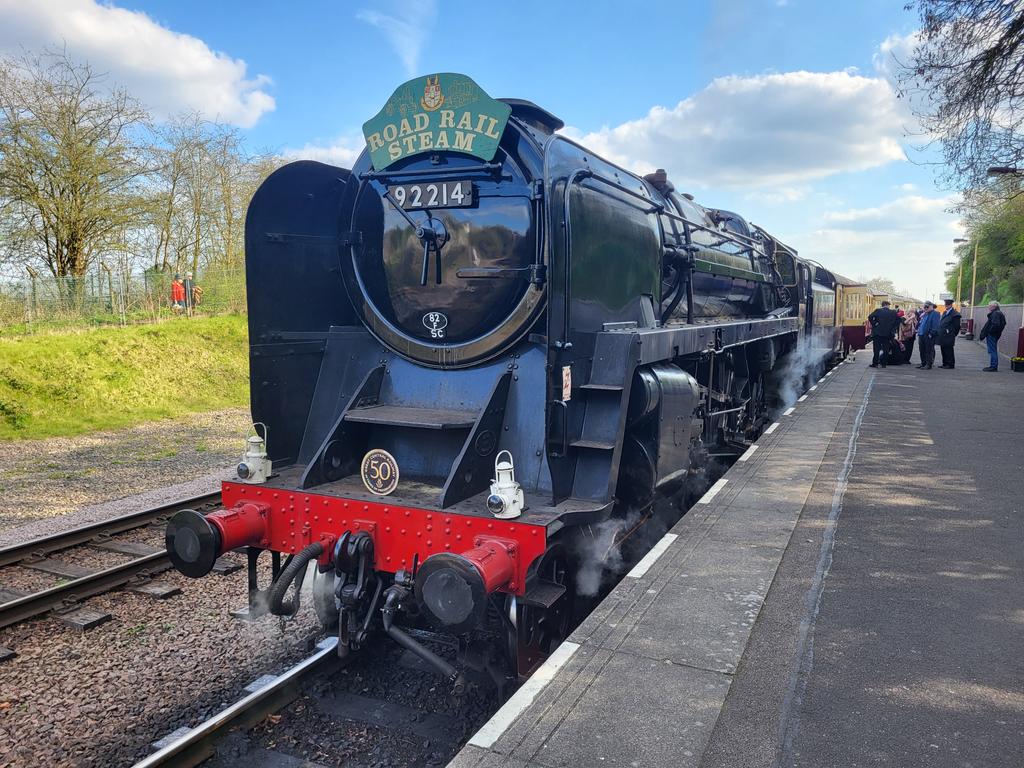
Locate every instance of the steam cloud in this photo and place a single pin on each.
(607, 549)
(790, 380)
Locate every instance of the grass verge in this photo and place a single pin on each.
(75, 382)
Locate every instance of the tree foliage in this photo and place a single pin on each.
(966, 80)
(87, 179)
(67, 162)
(204, 179)
(998, 232)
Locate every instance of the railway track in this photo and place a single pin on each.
(381, 707)
(79, 582)
(200, 742)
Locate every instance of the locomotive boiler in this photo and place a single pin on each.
(470, 350)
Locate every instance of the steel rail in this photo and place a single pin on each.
(83, 534)
(70, 594)
(74, 591)
(201, 742)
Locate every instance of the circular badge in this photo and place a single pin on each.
(435, 322)
(379, 471)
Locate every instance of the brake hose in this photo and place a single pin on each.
(294, 571)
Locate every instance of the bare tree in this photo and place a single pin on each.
(966, 80)
(238, 173)
(202, 184)
(69, 162)
(175, 143)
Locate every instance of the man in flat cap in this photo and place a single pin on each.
(949, 329)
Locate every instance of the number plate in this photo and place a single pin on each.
(434, 194)
(379, 471)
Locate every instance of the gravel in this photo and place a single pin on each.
(99, 698)
(337, 720)
(45, 479)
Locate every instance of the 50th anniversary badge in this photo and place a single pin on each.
(379, 471)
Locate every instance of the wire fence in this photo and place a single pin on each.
(107, 297)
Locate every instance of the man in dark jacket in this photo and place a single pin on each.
(991, 332)
(927, 330)
(949, 329)
(884, 322)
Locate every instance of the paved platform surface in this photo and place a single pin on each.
(850, 596)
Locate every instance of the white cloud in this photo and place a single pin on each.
(893, 53)
(911, 213)
(168, 71)
(771, 129)
(406, 27)
(779, 195)
(908, 239)
(341, 152)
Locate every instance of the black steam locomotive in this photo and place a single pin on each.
(469, 350)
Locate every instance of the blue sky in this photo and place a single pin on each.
(783, 110)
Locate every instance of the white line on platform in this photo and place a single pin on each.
(522, 698)
(772, 428)
(789, 410)
(652, 557)
(814, 387)
(801, 398)
(712, 492)
(821, 380)
(748, 453)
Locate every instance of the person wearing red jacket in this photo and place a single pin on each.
(177, 294)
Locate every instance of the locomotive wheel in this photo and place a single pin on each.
(326, 605)
(539, 630)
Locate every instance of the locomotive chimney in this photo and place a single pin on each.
(659, 180)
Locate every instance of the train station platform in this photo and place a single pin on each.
(849, 594)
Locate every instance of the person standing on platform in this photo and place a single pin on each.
(991, 332)
(884, 322)
(927, 331)
(908, 332)
(949, 329)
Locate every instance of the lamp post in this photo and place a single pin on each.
(960, 272)
(958, 280)
(974, 275)
(1005, 170)
(974, 280)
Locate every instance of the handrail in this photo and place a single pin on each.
(578, 175)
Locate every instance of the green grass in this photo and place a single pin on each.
(86, 380)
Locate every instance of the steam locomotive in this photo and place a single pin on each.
(471, 349)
